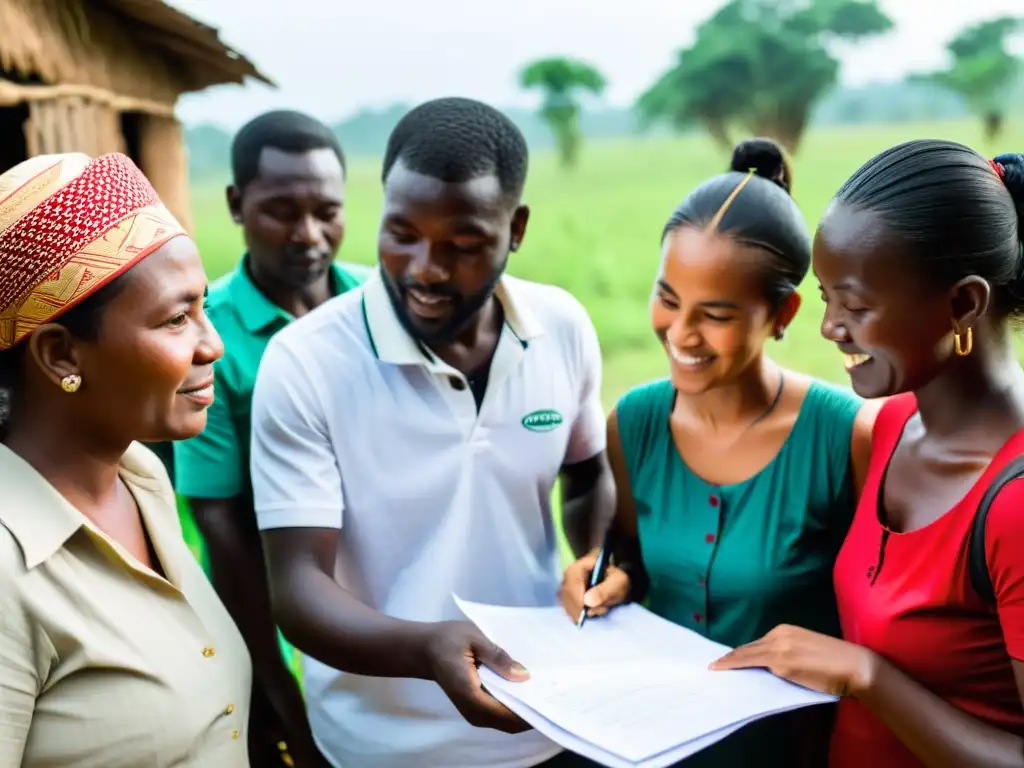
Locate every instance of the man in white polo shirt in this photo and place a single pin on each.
(406, 439)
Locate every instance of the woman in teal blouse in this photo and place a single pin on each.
(737, 479)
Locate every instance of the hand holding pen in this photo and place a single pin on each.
(591, 586)
(597, 574)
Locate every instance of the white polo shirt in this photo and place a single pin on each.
(356, 426)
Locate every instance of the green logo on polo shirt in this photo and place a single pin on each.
(542, 421)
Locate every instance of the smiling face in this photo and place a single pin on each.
(709, 308)
(443, 247)
(148, 373)
(892, 326)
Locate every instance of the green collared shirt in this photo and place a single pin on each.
(215, 464)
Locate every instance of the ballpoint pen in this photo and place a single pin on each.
(597, 575)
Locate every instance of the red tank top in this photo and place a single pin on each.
(918, 610)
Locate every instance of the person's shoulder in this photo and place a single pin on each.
(353, 273)
(639, 418)
(1008, 503)
(891, 414)
(827, 397)
(337, 321)
(332, 341)
(655, 388)
(554, 306)
(643, 399)
(1004, 526)
(218, 294)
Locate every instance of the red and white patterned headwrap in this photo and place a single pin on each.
(69, 225)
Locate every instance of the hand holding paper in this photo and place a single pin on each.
(629, 690)
(807, 658)
(454, 648)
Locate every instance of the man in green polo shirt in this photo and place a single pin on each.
(288, 196)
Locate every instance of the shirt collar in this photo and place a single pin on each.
(391, 343)
(38, 516)
(256, 311)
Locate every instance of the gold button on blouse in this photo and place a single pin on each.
(235, 734)
(165, 646)
(229, 709)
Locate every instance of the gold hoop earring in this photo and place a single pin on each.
(71, 383)
(965, 348)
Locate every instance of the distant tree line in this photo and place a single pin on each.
(763, 68)
(365, 133)
(983, 72)
(754, 68)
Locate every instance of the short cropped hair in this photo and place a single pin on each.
(456, 139)
(286, 130)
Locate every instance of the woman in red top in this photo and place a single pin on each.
(921, 267)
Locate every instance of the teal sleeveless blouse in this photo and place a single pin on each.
(732, 562)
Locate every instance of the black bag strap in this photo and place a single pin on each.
(977, 562)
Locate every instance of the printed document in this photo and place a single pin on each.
(628, 689)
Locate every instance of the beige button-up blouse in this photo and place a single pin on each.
(103, 663)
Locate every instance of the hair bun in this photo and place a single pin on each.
(1013, 175)
(766, 159)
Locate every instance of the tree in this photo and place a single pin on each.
(562, 80)
(982, 72)
(760, 66)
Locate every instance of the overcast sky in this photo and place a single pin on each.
(333, 57)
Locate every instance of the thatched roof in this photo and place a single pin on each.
(206, 59)
(139, 48)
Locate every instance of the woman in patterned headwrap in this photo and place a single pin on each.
(114, 649)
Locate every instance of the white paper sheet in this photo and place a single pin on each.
(576, 744)
(628, 689)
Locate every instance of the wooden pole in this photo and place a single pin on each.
(163, 159)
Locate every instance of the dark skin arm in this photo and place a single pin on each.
(327, 621)
(240, 579)
(616, 587)
(330, 624)
(588, 502)
(939, 734)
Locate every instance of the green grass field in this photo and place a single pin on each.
(595, 231)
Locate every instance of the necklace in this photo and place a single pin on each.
(764, 414)
(771, 406)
